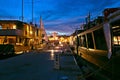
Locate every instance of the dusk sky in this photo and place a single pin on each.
(62, 16)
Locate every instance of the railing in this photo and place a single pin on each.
(10, 32)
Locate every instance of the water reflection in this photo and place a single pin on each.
(52, 55)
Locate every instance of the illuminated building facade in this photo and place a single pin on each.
(19, 33)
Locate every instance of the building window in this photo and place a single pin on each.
(90, 41)
(0, 27)
(14, 26)
(11, 40)
(43, 35)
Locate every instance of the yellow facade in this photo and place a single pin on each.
(18, 33)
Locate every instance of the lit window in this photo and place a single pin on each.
(14, 26)
(27, 28)
(31, 32)
(117, 40)
(115, 27)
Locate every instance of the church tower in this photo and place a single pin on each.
(43, 35)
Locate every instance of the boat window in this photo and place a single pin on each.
(116, 40)
(80, 41)
(116, 35)
(83, 38)
(100, 39)
(90, 41)
(77, 40)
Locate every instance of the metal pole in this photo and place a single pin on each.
(77, 43)
(22, 10)
(32, 11)
(77, 40)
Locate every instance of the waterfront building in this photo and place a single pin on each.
(20, 34)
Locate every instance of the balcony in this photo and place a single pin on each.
(11, 32)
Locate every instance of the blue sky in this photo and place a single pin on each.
(62, 16)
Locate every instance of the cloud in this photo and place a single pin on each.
(61, 26)
(57, 15)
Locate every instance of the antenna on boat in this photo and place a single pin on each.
(87, 20)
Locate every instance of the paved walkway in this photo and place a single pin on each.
(39, 66)
(69, 67)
